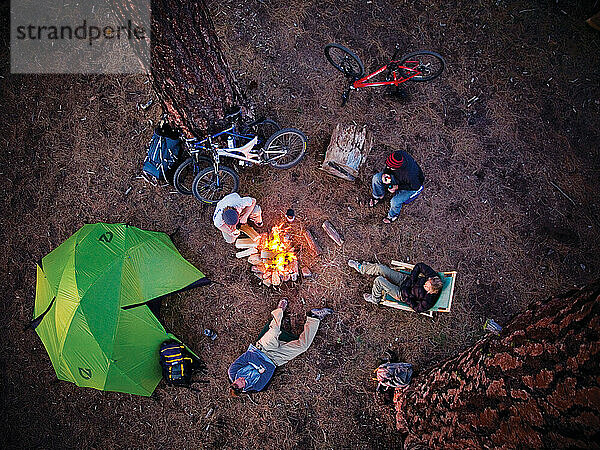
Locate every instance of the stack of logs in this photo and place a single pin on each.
(271, 274)
(271, 267)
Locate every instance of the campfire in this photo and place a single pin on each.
(272, 254)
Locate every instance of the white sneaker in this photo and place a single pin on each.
(354, 264)
(369, 298)
(320, 313)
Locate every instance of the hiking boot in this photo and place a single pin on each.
(369, 298)
(354, 264)
(283, 303)
(320, 313)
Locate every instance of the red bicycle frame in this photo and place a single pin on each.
(364, 81)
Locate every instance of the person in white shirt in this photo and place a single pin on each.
(233, 210)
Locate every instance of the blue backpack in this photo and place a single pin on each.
(163, 153)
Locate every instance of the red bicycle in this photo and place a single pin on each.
(422, 65)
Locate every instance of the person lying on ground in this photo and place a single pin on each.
(402, 177)
(420, 290)
(252, 371)
(233, 210)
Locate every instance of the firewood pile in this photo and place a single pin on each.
(275, 256)
(272, 255)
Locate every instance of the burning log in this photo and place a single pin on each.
(312, 242)
(245, 243)
(247, 252)
(275, 260)
(266, 254)
(254, 259)
(293, 267)
(332, 233)
(250, 232)
(275, 279)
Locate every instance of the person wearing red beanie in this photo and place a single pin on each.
(402, 177)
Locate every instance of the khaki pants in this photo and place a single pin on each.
(255, 216)
(282, 352)
(388, 280)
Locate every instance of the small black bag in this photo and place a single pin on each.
(163, 153)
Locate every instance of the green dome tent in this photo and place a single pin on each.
(91, 305)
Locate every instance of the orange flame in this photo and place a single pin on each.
(279, 243)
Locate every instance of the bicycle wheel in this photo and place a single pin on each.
(285, 148)
(430, 64)
(205, 186)
(261, 128)
(187, 171)
(345, 60)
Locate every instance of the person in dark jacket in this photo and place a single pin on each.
(402, 177)
(253, 370)
(420, 290)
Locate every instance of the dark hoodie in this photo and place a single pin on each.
(409, 176)
(413, 292)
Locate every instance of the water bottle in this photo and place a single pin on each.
(210, 333)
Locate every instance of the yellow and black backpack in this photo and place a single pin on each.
(177, 364)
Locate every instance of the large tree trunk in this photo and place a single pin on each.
(534, 385)
(192, 79)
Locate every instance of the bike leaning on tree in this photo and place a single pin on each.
(261, 142)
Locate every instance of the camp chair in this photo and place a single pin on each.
(443, 304)
(285, 336)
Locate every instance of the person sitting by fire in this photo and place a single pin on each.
(253, 370)
(233, 210)
(420, 290)
(402, 177)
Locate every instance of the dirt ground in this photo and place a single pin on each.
(508, 140)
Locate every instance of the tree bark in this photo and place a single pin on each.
(535, 385)
(190, 75)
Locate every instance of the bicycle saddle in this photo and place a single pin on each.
(233, 113)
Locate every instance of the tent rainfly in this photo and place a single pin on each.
(94, 303)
